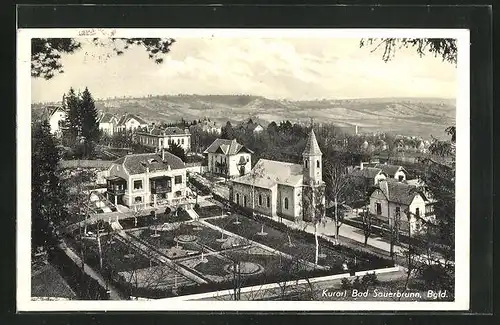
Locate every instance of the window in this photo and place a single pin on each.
(286, 203)
(238, 198)
(378, 208)
(268, 202)
(182, 141)
(317, 163)
(305, 163)
(260, 199)
(244, 200)
(398, 211)
(138, 185)
(417, 212)
(401, 178)
(178, 179)
(138, 199)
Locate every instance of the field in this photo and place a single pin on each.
(408, 116)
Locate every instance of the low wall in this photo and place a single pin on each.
(229, 292)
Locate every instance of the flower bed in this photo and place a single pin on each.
(149, 220)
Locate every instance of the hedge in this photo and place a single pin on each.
(86, 287)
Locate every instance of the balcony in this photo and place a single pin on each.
(116, 185)
(161, 189)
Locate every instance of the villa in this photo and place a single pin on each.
(161, 138)
(228, 158)
(142, 180)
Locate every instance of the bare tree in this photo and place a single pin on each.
(314, 208)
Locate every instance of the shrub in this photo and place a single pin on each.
(197, 206)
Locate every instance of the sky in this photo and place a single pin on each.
(277, 68)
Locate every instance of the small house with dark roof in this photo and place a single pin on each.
(367, 176)
(107, 123)
(281, 189)
(131, 122)
(161, 138)
(143, 180)
(392, 200)
(228, 158)
(393, 171)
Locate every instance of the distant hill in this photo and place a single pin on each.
(408, 116)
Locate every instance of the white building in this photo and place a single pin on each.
(393, 171)
(228, 158)
(56, 118)
(130, 122)
(143, 180)
(107, 123)
(392, 200)
(276, 188)
(162, 138)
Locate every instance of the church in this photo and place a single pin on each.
(282, 189)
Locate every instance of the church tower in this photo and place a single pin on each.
(312, 161)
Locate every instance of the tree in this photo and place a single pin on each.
(314, 209)
(177, 150)
(89, 125)
(46, 52)
(441, 47)
(338, 188)
(367, 224)
(47, 198)
(73, 120)
(227, 131)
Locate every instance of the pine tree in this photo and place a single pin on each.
(177, 150)
(47, 197)
(73, 114)
(89, 125)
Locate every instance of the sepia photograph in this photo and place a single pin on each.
(224, 169)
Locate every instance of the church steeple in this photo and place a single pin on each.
(312, 157)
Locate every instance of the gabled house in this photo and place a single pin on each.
(392, 201)
(131, 122)
(143, 180)
(368, 176)
(161, 138)
(107, 123)
(207, 126)
(393, 171)
(56, 117)
(228, 158)
(250, 126)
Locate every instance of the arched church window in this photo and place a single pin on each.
(317, 163)
(260, 199)
(305, 163)
(286, 203)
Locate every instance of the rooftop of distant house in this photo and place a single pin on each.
(127, 117)
(226, 147)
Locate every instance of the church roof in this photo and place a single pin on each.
(312, 147)
(269, 173)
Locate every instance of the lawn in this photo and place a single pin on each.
(300, 248)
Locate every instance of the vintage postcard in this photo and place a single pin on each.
(242, 169)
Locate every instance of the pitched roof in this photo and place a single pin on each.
(48, 111)
(227, 147)
(388, 169)
(366, 172)
(268, 173)
(312, 147)
(106, 118)
(136, 164)
(127, 117)
(398, 192)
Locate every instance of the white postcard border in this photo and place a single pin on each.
(462, 224)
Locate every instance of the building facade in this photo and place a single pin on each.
(108, 123)
(131, 122)
(56, 117)
(283, 189)
(394, 201)
(393, 171)
(162, 138)
(144, 180)
(228, 158)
